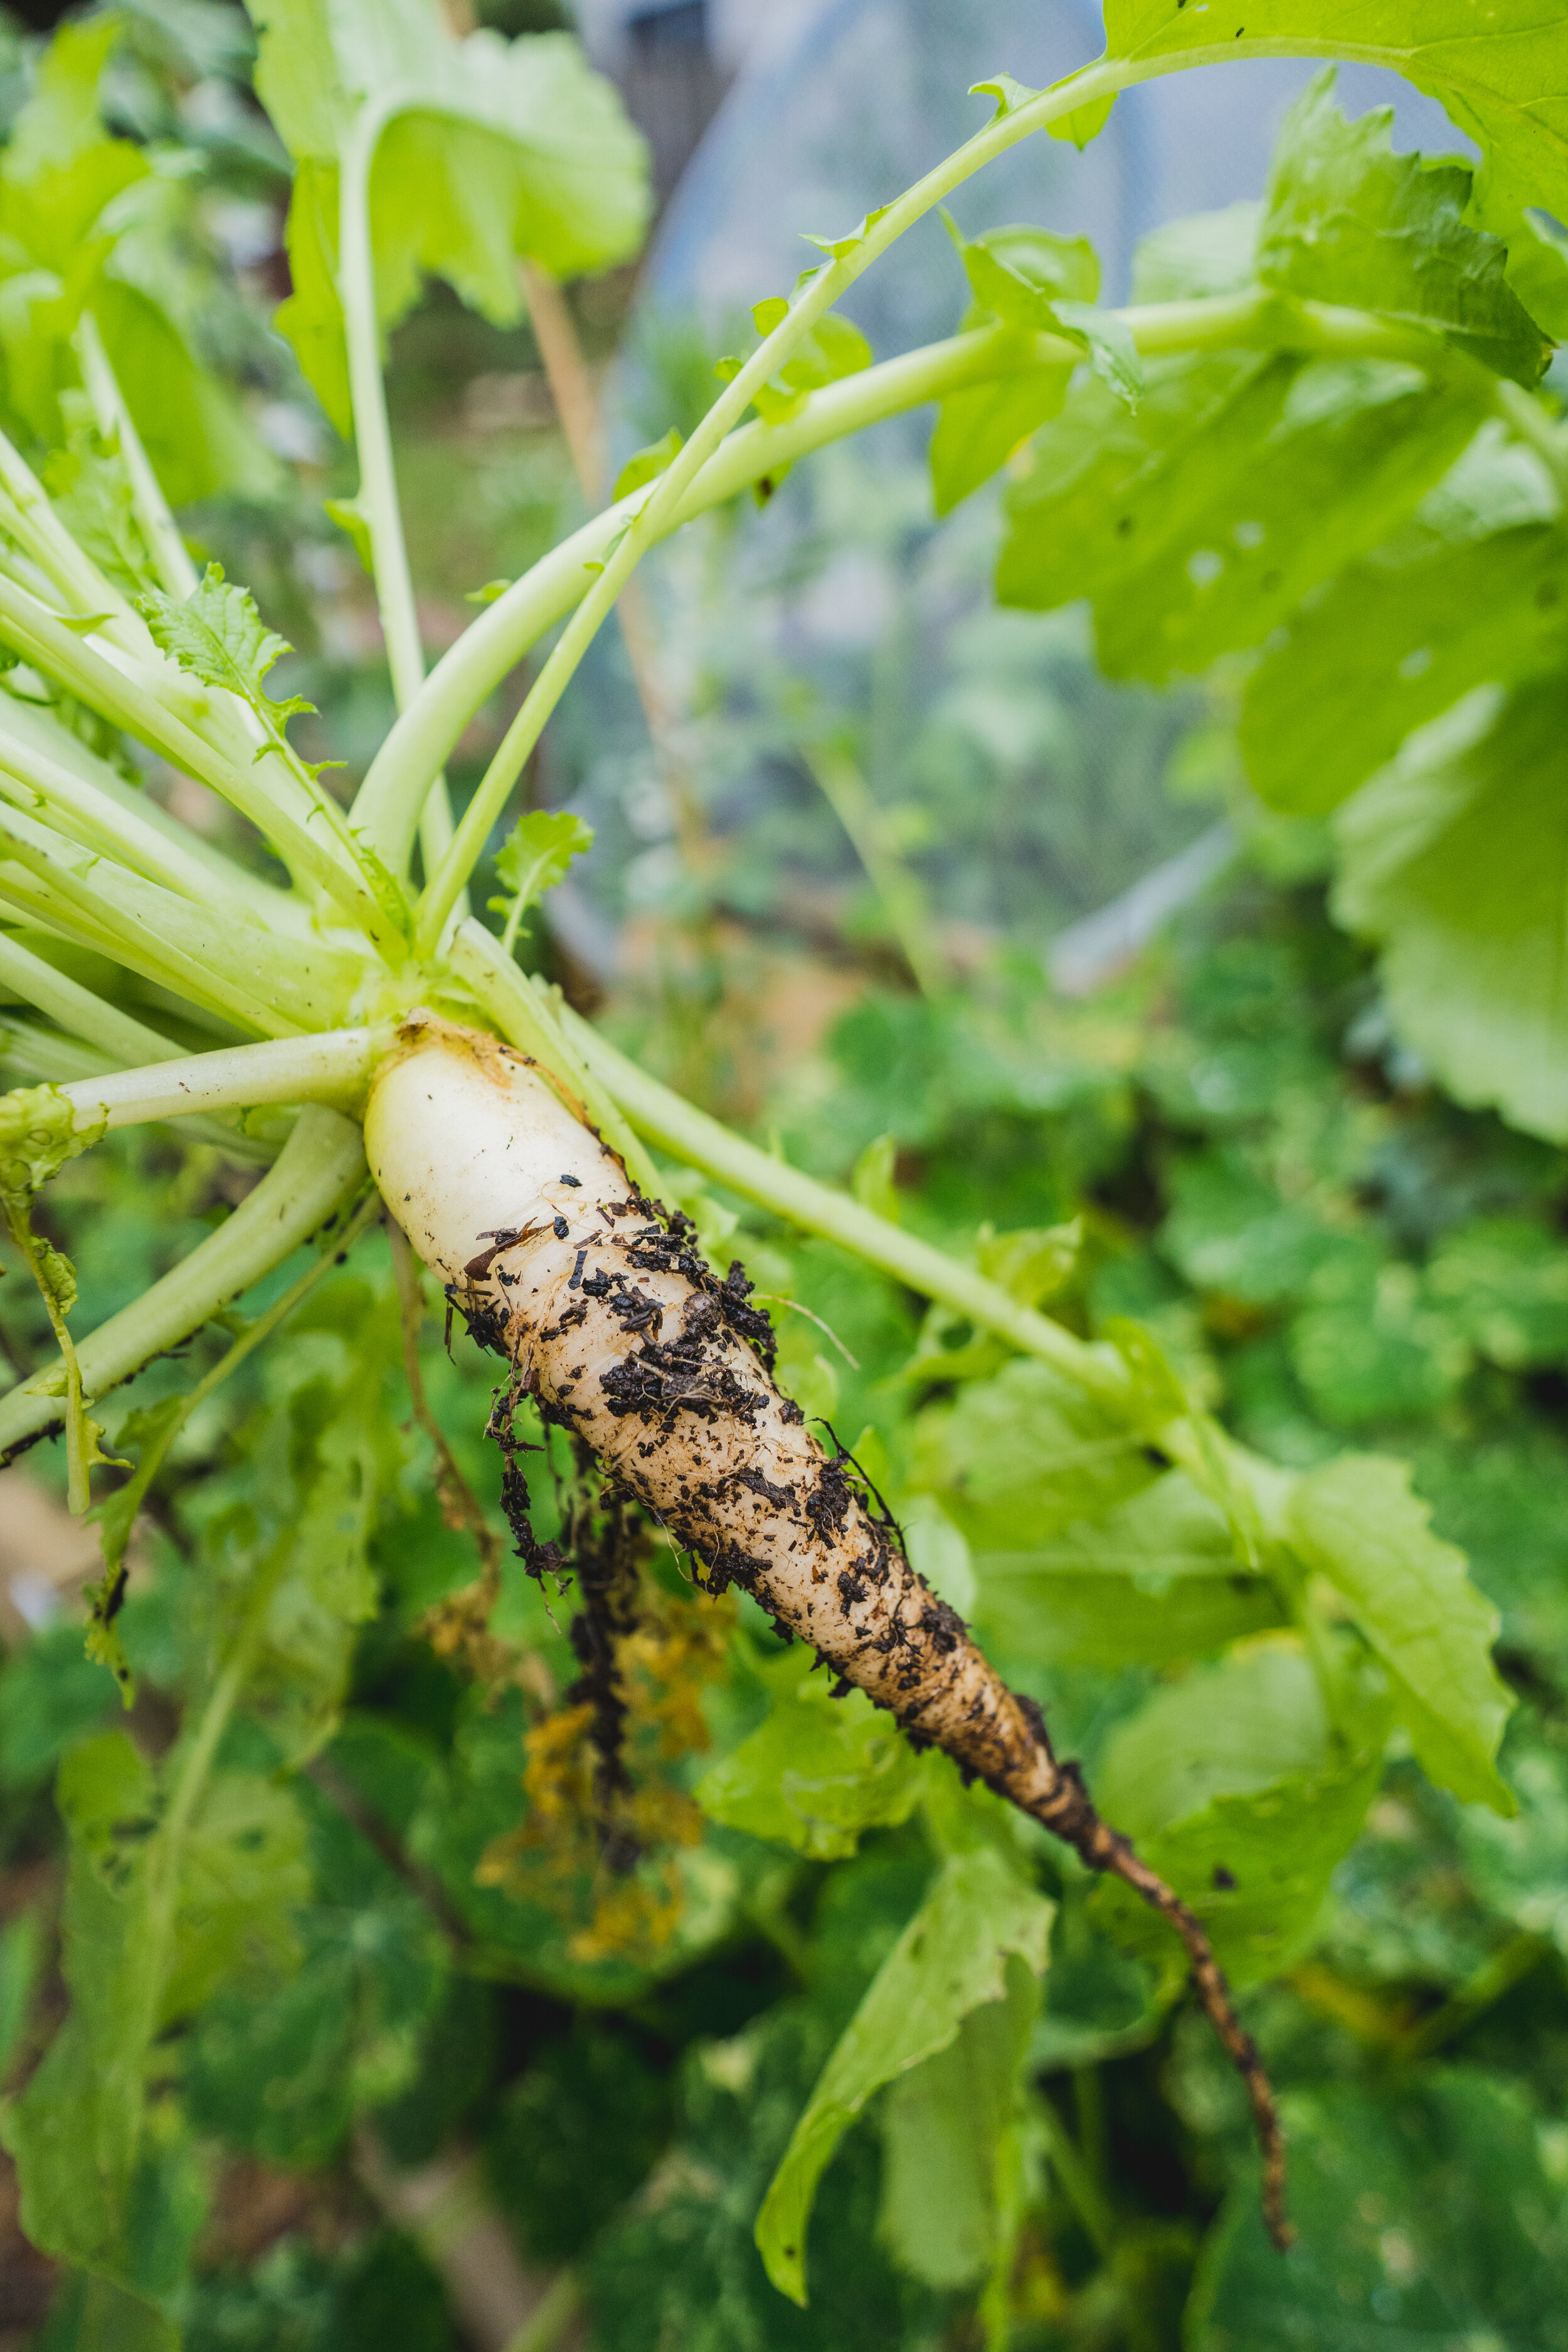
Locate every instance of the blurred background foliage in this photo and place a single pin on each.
(847, 846)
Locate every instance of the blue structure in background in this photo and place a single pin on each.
(869, 93)
(835, 107)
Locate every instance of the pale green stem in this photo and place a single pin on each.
(140, 699)
(690, 1135)
(315, 1176)
(378, 500)
(657, 508)
(279, 986)
(904, 902)
(332, 1067)
(78, 1009)
(169, 552)
(50, 1059)
(521, 1010)
(34, 524)
(86, 816)
(423, 738)
(29, 747)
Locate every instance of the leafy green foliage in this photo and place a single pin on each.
(950, 1960)
(487, 149)
(91, 225)
(952, 2134)
(538, 849)
(1349, 221)
(1488, 75)
(1388, 2190)
(328, 1903)
(217, 635)
(1357, 1522)
(816, 1772)
(1445, 863)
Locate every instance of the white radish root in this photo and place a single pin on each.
(624, 1336)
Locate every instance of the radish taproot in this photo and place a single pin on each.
(623, 1335)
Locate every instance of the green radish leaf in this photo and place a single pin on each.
(838, 249)
(647, 465)
(1452, 861)
(23, 1959)
(1347, 221)
(1017, 1458)
(1229, 1232)
(61, 121)
(1489, 68)
(538, 849)
(1370, 1342)
(950, 1960)
(98, 2190)
(1226, 1729)
(1243, 1786)
(349, 516)
(1198, 256)
(37, 1136)
(1010, 95)
(1014, 274)
(818, 1771)
(1254, 1868)
(979, 428)
(834, 348)
(1537, 253)
(1017, 274)
(1112, 353)
(217, 635)
(1389, 647)
(951, 2129)
(1357, 1522)
(1032, 1609)
(490, 149)
(1242, 484)
(1429, 2209)
(90, 491)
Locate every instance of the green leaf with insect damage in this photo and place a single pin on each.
(1243, 482)
(1428, 2209)
(951, 1958)
(1244, 1788)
